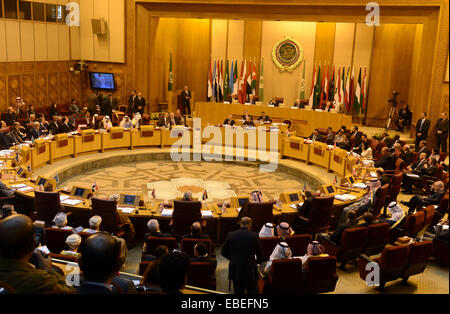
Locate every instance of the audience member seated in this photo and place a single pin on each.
(105, 124)
(153, 228)
(60, 221)
(366, 151)
(281, 251)
(267, 231)
(330, 136)
(248, 122)
(10, 116)
(94, 224)
(305, 209)
(251, 99)
(196, 232)
(352, 222)
(173, 268)
(387, 160)
(315, 136)
(314, 249)
(367, 220)
(151, 278)
(73, 242)
(423, 148)
(273, 102)
(327, 107)
(234, 99)
(159, 252)
(298, 104)
(65, 126)
(416, 170)
(201, 255)
(5, 191)
(264, 118)
(35, 131)
(172, 120)
(17, 246)
(396, 213)
(246, 115)
(100, 257)
(229, 121)
(284, 230)
(6, 211)
(126, 123)
(406, 154)
(179, 119)
(137, 120)
(437, 190)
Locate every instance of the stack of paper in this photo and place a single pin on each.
(373, 174)
(167, 212)
(63, 197)
(18, 186)
(207, 214)
(413, 175)
(345, 197)
(25, 189)
(359, 185)
(126, 210)
(71, 202)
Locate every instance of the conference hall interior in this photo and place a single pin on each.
(224, 147)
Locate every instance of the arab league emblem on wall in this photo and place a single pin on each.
(287, 54)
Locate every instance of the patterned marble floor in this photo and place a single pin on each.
(221, 180)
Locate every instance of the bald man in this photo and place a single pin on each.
(100, 261)
(243, 249)
(17, 245)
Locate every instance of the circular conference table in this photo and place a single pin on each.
(18, 163)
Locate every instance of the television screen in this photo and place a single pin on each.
(42, 181)
(242, 201)
(79, 192)
(102, 80)
(129, 199)
(330, 189)
(293, 197)
(351, 179)
(19, 172)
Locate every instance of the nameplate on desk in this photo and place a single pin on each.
(271, 106)
(294, 107)
(63, 143)
(88, 138)
(25, 189)
(360, 185)
(337, 158)
(116, 135)
(126, 210)
(147, 133)
(345, 197)
(295, 145)
(18, 186)
(207, 214)
(41, 149)
(318, 151)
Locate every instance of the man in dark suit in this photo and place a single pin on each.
(416, 169)
(139, 104)
(186, 100)
(164, 121)
(422, 128)
(153, 228)
(229, 121)
(330, 136)
(10, 116)
(201, 255)
(423, 148)
(315, 136)
(65, 126)
(107, 104)
(419, 200)
(299, 104)
(387, 161)
(35, 131)
(132, 100)
(246, 115)
(305, 209)
(264, 117)
(92, 102)
(54, 126)
(243, 249)
(99, 259)
(196, 232)
(351, 223)
(442, 132)
(172, 119)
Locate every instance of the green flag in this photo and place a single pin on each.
(302, 82)
(317, 90)
(261, 82)
(226, 83)
(170, 87)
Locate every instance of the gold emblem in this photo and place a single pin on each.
(287, 54)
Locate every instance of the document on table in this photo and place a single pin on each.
(294, 206)
(126, 210)
(71, 202)
(18, 186)
(25, 189)
(167, 212)
(359, 185)
(207, 214)
(345, 197)
(63, 197)
(413, 175)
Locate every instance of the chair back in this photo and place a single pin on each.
(268, 244)
(393, 262)
(414, 223)
(6, 289)
(153, 242)
(414, 157)
(260, 213)
(188, 244)
(429, 214)
(286, 275)
(55, 239)
(397, 178)
(321, 213)
(352, 243)
(47, 205)
(67, 258)
(299, 243)
(380, 200)
(400, 164)
(199, 275)
(185, 213)
(377, 238)
(143, 265)
(419, 254)
(107, 209)
(320, 273)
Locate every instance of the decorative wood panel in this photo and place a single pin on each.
(64, 86)
(41, 90)
(28, 88)
(3, 100)
(53, 88)
(14, 88)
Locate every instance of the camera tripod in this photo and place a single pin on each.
(391, 116)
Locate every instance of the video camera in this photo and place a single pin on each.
(393, 100)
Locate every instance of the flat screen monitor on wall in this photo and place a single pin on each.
(104, 81)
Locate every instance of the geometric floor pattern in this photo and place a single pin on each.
(170, 179)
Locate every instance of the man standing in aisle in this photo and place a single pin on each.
(422, 127)
(186, 99)
(442, 132)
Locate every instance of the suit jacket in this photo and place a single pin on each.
(11, 138)
(210, 260)
(418, 166)
(423, 128)
(306, 208)
(139, 105)
(243, 249)
(318, 137)
(92, 288)
(337, 234)
(330, 138)
(265, 119)
(132, 103)
(249, 123)
(10, 118)
(65, 128)
(424, 150)
(54, 127)
(35, 133)
(229, 122)
(184, 97)
(387, 162)
(164, 122)
(442, 125)
(126, 285)
(433, 199)
(172, 122)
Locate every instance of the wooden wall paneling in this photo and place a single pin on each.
(325, 38)
(219, 29)
(3, 55)
(86, 36)
(235, 43)
(53, 88)
(143, 30)
(3, 95)
(343, 44)
(130, 29)
(102, 42)
(252, 44)
(13, 47)
(28, 91)
(14, 88)
(41, 91)
(52, 42)
(64, 42)
(27, 41)
(117, 30)
(75, 88)
(40, 46)
(391, 69)
(64, 86)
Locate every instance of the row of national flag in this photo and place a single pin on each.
(224, 80)
(339, 87)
